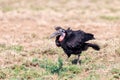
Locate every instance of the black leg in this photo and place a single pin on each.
(78, 59)
(67, 59)
(68, 55)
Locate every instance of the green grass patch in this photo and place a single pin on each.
(19, 72)
(116, 73)
(2, 47)
(75, 69)
(7, 8)
(54, 68)
(86, 60)
(92, 76)
(2, 74)
(16, 48)
(94, 66)
(63, 71)
(57, 68)
(110, 18)
(37, 8)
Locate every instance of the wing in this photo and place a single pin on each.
(78, 38)
(75, 40)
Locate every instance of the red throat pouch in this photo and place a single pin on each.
(62, 37)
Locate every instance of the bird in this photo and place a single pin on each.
(73, 42)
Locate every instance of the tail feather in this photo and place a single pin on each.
(88, 37)
(94, 46)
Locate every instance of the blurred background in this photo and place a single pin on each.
(26, 53)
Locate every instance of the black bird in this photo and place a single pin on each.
(73, 42)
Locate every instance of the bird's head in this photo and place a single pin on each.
(60, 32)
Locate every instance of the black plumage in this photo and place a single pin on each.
(73, 42)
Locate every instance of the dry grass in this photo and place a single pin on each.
(27, 53)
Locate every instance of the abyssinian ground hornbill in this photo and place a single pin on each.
(73, 42)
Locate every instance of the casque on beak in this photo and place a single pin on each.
(59, 32)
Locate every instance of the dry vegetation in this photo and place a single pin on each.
(26, 53)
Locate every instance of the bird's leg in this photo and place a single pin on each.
(67, 59)
(78, 59)
(68, 55)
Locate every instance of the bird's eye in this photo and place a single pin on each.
(63, 30)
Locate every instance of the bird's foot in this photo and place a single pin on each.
(78, 62)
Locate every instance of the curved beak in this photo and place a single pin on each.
(54, 34)
(59, 31)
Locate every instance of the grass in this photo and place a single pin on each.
(7, 8)
(110, 18)
(37, 58)
(37, 8)
(116, 73)
(20, 72)
(75, 69)
(2, 75)
(15, 48)
(54, 68)
(46, 68)
(92, 76)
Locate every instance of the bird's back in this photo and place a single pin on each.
(79, 36)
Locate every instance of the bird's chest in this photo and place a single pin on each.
(65, 47)
(68, 50)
